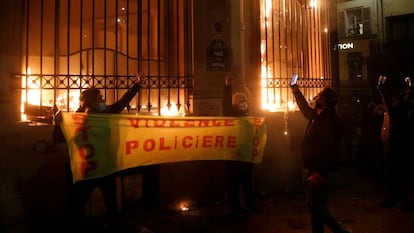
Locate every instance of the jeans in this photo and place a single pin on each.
(317, 202)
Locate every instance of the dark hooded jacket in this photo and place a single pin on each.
(323, 135)
(90, 95)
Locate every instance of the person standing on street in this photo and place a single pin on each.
(320, 155)
(399, 102)
(239, 174)
(92, 101)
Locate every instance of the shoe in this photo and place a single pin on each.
(387, 204)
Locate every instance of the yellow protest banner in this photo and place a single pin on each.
(101, 144)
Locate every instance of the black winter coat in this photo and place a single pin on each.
(322, 139)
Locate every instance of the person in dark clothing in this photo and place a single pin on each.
(370, 155)
(91, 101)
(320, 155)
(239, 174)
(349, 127)
(398, 158)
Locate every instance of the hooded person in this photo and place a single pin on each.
(92, 101)
(326, 99)
(320, 155)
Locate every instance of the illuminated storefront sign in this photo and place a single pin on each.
(346, 46)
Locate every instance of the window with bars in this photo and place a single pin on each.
(354, 22)
(400, 29)
(294, 40)
(72, 45)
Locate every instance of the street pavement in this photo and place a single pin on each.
(354, 203)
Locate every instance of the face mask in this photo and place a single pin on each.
(243, 106)
(101, 107)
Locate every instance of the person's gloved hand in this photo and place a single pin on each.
(138, 79)
(137, 82)
(316, 179)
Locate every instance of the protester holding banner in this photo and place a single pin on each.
(91, 101)
(239, 173)
(320, 155)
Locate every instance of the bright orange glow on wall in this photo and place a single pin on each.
(293, 41)
(33, 97)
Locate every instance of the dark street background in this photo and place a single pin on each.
(354, 203)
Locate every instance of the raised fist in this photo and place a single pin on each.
(229, 80)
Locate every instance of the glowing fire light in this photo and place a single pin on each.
(34, 97)
(184, 206)
(275, 97)
(172, 110)
(61, 101)
(32, 94)
(313, 3)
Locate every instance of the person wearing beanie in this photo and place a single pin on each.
(320, 156)
(239, 174)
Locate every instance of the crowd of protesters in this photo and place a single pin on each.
(376, 139)
(378, 134)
